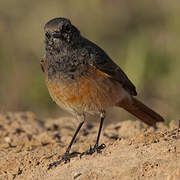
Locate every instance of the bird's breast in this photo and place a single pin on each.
(89, 93)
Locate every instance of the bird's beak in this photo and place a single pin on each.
(56, 35)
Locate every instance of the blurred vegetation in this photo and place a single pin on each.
(141, 36)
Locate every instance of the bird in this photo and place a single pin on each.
(82, 79)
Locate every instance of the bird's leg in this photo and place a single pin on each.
(97, 148)
(67, 156)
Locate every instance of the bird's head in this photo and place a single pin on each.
(60, 33)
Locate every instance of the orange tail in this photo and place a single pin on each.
(142, 112)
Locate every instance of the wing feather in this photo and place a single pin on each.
(100, 60)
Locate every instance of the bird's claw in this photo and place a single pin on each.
(91, 150)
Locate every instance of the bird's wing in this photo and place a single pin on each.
(100, 60)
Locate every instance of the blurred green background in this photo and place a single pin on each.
(143, 37)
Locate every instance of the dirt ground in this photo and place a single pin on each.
(133, 150)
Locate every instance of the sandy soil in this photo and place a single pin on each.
(133, 150)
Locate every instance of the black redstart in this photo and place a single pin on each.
(82, 78)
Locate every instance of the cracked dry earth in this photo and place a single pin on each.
(133, 150)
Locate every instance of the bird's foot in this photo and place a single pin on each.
(91, 150)
(66, 158)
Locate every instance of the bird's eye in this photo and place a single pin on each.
(66, 28)
(47, 35)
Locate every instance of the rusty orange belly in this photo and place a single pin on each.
(90, 93)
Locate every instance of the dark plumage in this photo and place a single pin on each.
(70, 52)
